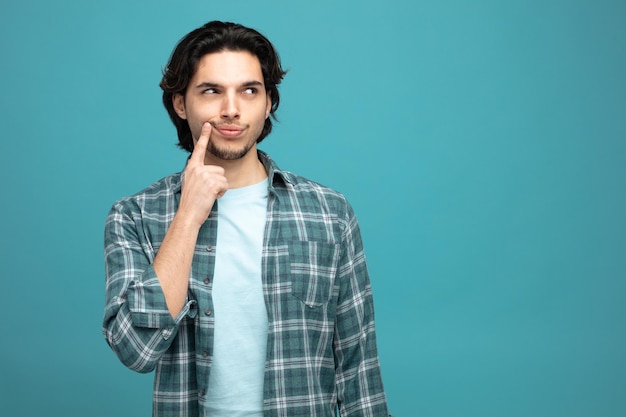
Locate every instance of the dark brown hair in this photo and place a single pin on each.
(214, 37)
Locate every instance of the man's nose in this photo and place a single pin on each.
(230, 107)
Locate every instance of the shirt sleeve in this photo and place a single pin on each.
(360, 390)
(137, 324)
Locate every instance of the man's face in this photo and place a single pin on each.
(227, 91)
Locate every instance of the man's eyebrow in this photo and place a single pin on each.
(208, 84)
(253, 83)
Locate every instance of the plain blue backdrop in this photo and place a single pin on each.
(482, 145)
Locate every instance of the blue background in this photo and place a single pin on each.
(482, 145)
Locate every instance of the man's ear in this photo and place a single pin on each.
(178, 100)
(268, 106)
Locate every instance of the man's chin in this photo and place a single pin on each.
(229, 154)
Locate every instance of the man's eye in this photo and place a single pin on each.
(250, 90)
(210, 91)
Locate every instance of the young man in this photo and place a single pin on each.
(243, 285)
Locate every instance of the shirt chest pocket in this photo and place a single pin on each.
(313, 267)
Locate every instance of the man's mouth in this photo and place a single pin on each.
(229, 130)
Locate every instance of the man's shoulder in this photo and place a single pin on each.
(164, 188)
(303, 188)
(302, 183)
(294, 182)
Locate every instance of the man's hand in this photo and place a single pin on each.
(202, 184)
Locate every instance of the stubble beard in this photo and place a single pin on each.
(230, 154)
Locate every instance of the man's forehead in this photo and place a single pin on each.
(229, 66)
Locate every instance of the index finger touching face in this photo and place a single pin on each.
(199, 149)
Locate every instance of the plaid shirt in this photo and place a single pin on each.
(321, 347)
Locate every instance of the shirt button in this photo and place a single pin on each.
(207, 312)
(209, 248)
(206, 281)
(205, 353)
(202, 392)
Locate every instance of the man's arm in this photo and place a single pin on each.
(145, 300)
(359, 383)
(202, 185)
(137, 324)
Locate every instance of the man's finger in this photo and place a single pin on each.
(199, 150)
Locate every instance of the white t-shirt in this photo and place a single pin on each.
(235, 386)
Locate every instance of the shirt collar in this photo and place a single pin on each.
(276, 176)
